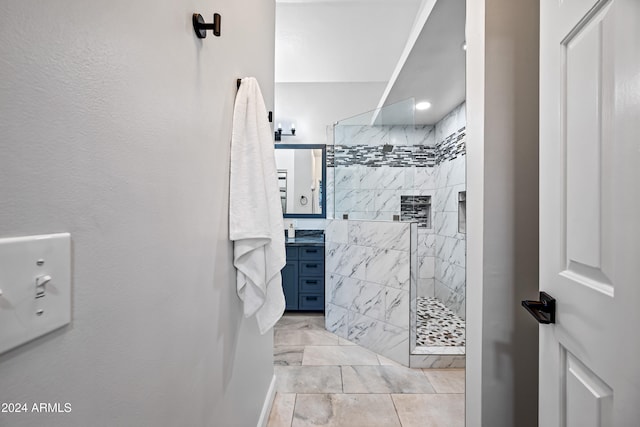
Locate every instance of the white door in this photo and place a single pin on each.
(590, 212)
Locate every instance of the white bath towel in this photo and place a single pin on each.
(256, 225)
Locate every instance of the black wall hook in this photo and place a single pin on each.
(201, 27)
(270, 116)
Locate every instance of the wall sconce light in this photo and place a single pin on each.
(279, 134)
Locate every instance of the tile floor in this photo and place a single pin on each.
(437, 325)
(324, 380)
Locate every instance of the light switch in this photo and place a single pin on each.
(35, 284)
(41, 282)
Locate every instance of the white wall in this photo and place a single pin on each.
(315, 106)
(115, 123)
(502, 212)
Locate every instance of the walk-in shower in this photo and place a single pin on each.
(396, 246)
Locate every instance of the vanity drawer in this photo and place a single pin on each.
(311, 268)
(311, 285)
(303, 276)
(311, 302)
(311, 253)
(292, 253)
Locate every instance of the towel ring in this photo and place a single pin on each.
(303, 200)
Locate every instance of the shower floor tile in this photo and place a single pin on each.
(437, 325)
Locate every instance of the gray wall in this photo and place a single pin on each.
(502, 207)
(115, 125)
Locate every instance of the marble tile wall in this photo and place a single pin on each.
(368, 181)
(447, 179)
(449, 245)
(368, 280)
(375, 193)
(450, 123)
(367, 193)
(331, 191)
(426, 262)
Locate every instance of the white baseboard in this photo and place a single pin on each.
(268, 403)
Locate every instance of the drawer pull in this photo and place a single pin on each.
(311, 251)
(311, 298)
(312, 282)
(312, 265)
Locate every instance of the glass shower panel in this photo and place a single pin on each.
(386, 168)
(374, 160)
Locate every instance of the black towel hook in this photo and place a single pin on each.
(201, 27)
(270, 116)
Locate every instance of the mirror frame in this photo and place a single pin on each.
(322, 147)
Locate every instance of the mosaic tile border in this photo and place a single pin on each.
(453, 146)
(398, 156)
(331, 155)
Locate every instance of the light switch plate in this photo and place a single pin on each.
(28, 311)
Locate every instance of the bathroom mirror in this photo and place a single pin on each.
(302, 178)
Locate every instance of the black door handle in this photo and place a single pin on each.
(544, 310)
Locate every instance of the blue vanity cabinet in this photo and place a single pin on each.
(303, 278)
(290, 284)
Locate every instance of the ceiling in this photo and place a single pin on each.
(435, 69)
(322, 41)
(340, 40)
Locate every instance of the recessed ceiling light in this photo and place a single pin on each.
(424, 105)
